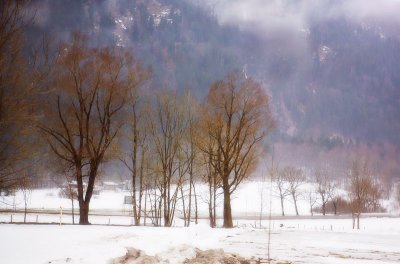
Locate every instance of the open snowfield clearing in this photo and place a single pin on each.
(249, 199)
(319, 239)
(294, 241)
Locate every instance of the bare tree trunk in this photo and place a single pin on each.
(73, 210)
(212, 183)
(145, 206)
(185, 216)
(156, 210)
(146, 195)
(334, 202)
(215, 202)
(165, 200)
(134, 201)
(261, 205)
(134, 165)
(282, 206)
(159, 210)
(83, 213)
(196, 212)
(311, 204)
(25, 210)
(141, 186)
(228, 221)
(295, 203)
(210, 204)
(190, 195)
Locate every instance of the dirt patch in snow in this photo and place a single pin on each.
(217, 257)
(134, 256)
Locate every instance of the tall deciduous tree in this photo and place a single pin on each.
(294, 178)
(90, 87)
(237, 117)
(190, 155)
(282, 189)
(324, 185)
(16, 99)
(135, 158)
(209, 174)
(168, 127)
(361, 188)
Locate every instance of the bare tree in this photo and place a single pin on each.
(294, 178)
(261, 190)
(282, 188)
(324, 186)
(237, 117)
(167, 130)
(332, 196)
(68, 189)
(16, 96)
(189, 158)
(209, 174)
(361, 188)
(397, 194)
(135, 159)
(272, 172)
(153, 197)
(25, 185)
(90, 86)
(191, 151)
(311, 199)
(376, 193)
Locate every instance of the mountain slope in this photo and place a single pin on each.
(335, 82)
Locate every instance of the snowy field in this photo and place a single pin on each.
(246, 201)
(293, 240)
(297, 241)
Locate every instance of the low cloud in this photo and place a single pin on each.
(292, 16)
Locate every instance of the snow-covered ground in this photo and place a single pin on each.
(315, 240)
(297, 241)
(246, 201)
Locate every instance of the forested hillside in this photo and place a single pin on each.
(334, 84)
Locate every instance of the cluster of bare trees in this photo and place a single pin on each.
(360, 193)
(96, 95)
(162, 156)
(90, 105)
(288, 182)
(96, 104)
(217, 141)
(325, 187)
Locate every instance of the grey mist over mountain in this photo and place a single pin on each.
(331, 67)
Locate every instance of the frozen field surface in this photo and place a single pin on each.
(292, 241)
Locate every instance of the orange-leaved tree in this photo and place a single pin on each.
(90, 87)
(236, 117)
